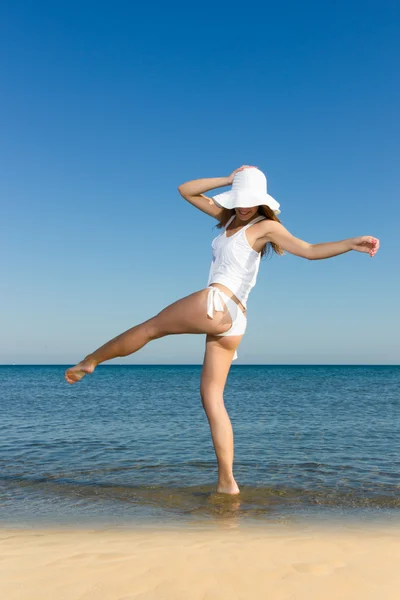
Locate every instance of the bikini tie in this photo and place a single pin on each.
(215, 301)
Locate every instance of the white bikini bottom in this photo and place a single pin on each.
(215, 301)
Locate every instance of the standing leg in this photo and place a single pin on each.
(187, 315)
(217, 361)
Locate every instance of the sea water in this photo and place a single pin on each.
(131, 445)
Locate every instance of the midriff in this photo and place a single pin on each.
(230, 294)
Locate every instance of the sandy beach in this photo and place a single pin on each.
(281, 563)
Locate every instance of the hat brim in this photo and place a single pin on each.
(232, 199)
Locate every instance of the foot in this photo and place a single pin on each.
(228, 487)
(79, 371)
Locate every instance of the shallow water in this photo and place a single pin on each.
(131, 444)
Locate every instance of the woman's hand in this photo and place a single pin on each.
(366, 243)
(232, 175)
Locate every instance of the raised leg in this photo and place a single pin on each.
(217, 361)
(187, 315)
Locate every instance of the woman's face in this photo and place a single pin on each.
(246, 214)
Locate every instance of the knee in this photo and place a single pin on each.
(212, 398)
(153, 329)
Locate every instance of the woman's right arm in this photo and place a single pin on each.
(193, 192)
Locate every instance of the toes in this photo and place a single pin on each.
(77, 373)
(70, 378)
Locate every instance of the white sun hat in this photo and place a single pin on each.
(249, 188)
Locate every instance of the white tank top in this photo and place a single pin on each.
(234, 262)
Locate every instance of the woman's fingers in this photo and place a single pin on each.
(232, 175)
(367, 243)
(374, 246)
(246, 167)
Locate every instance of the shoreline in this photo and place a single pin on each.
(358, 519)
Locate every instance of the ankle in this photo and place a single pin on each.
(90, 361)
(226, 479)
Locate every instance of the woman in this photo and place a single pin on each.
(249, 217)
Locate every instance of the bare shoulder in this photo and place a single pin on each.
(266, 227)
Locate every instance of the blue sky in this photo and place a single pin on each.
(106, 107)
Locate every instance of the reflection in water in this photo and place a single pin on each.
(225, 509)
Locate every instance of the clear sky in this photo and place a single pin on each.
(106, 107)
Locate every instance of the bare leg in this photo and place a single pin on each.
(217, 361)
(122, 345)
(188, 315)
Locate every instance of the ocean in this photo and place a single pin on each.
(131, 445)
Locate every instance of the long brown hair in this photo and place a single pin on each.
(263, 210)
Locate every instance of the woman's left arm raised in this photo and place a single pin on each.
(277, 233)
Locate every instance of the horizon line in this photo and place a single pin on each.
(201, 364)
